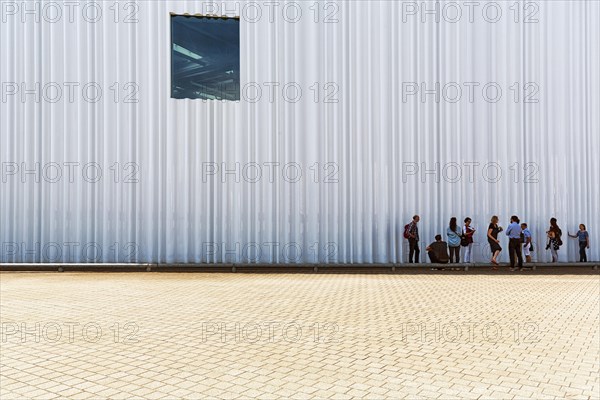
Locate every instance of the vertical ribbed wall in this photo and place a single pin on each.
(368, 144)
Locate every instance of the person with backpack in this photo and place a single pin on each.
(454, 234)
(554, 239)
(492, 237)
(467, 240)
(514, 242)
(411, 232)
(527, 242)
(584, 242)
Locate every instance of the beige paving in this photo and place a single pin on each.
(276, 336)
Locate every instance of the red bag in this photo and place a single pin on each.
(406, 231)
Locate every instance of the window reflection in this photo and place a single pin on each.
(205, 58)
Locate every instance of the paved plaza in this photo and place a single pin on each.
(304, 336)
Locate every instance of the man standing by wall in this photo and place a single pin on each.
(514, 242)
(411, 232)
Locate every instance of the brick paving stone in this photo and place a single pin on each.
(279, 336)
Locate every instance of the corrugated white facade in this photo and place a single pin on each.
(330, 176)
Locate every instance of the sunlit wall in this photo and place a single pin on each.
(354, 116)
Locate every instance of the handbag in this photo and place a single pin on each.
(464, 241)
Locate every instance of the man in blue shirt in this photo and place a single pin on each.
(514, 242)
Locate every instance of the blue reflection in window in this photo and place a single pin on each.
(205, 58)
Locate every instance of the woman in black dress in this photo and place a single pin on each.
(492, 237)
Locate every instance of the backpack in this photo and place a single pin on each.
(406, 231)
(522, 238)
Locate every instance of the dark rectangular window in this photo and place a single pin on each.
(205, 57)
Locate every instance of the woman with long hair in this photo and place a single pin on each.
(492, 237)
(554, 239)
(454, 234)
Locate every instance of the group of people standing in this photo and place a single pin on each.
(519, 242)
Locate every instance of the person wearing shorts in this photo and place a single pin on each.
(527, 242)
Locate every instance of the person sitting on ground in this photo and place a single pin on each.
(438, 251)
